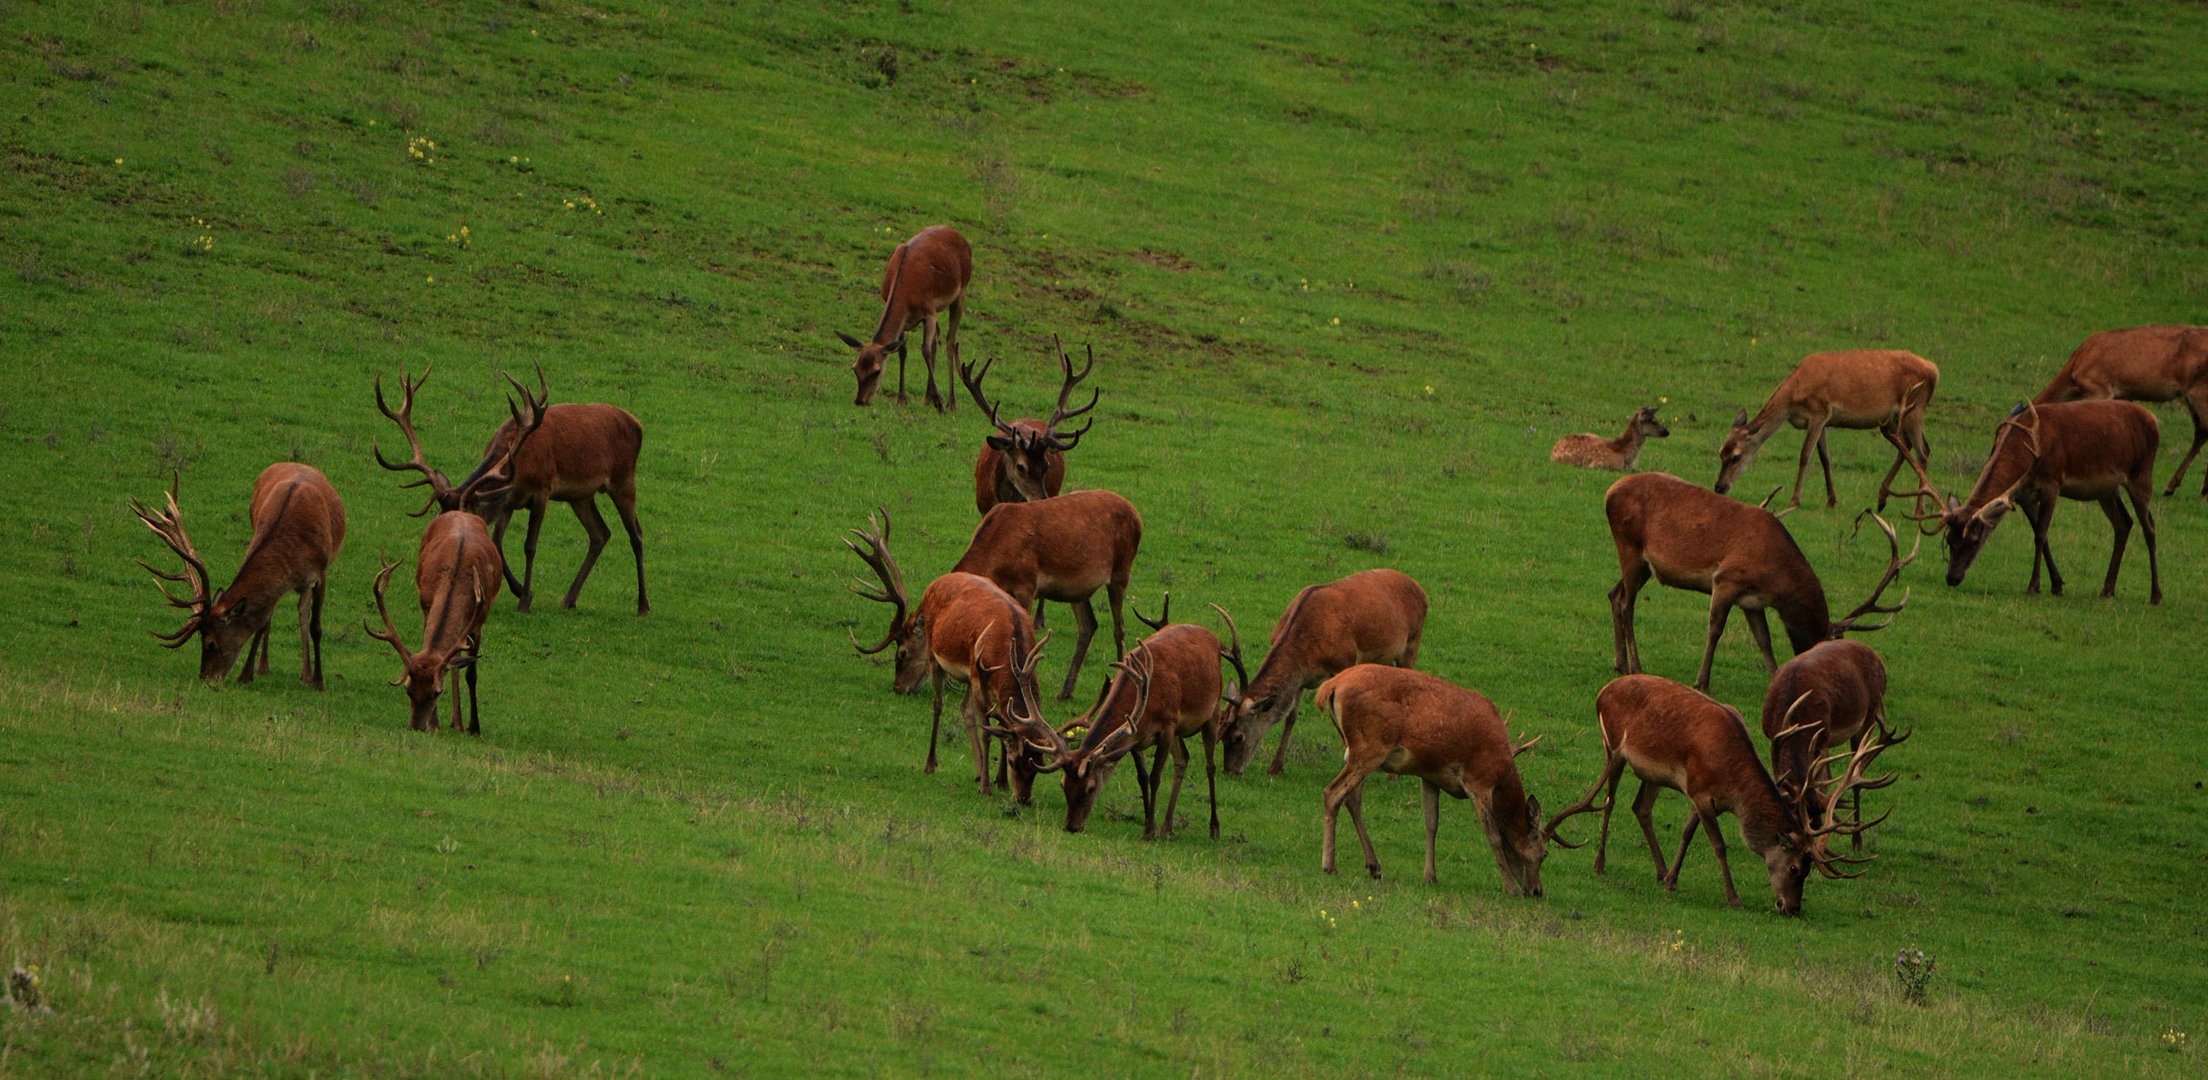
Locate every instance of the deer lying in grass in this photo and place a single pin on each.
(1675, 737)
(1885, 389)
(1026, 459)
(1374, 616)
(1408, 723)
(1831, 695)
(2094, 451)
(1691, 538)
(927, 275)
(2144, 363)
(298, 529)
(1591, 451)
(1062, 549)
(456, 577)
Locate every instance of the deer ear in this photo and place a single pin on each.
(849, 340)
(1742, 419)
(1000, 444)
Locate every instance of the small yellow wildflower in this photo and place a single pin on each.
(1429, 390)
(1335, 321)
(1355, 906)
(118, 161)
(430, 279)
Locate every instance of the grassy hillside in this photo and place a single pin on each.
(1348, 273)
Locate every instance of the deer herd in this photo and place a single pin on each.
(1355, 641)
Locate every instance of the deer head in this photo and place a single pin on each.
(1646, 424)
(424, 672)
(1741, 444)
(1029, 450)
(224, 627)
(867, 366)
(489, 491)
(907, 631)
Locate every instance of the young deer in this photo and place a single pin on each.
(1678, 738)
(2093, 451)
(1062, 549)
(1885, 389)
(1025, 460)
(1689, 537)
(2145, 363)
(966, 630)
(1591, 451)
(1374, 616)
(1830, 695)
(1408, 723)
(456, 577)
(298, 529)
(927, 275)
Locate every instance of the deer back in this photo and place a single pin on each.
(1690, 535)
(2146, 363)
(579, 451)
(1062, 548)
(2079, 448)
(925, 274)
(1825, 697)
(1368, 617)
(967, 618)
(456, 576)
(298, 529)
(1431, 729)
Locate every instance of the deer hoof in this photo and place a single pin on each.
(1375, 869)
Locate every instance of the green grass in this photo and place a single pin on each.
(701, 841)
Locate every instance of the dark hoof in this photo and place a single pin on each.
(1375, 869)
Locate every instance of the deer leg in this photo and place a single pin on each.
(525, 589)
(1084, 621)
(2119, 521)
(1038, 613)
(1211, 778)
(1180, 772)
(1814, 430)
(1409, 659)
(2142, 494)
(1721, 605)
(1622, 597)
(2196, 403)
(1287, 726)
(1717, 844)
(2041, 515)
(950, 345)
(928, 340)
(268, 630)
(475, 715)
(594, 523)
(310, 635)
(970, 711)
(1143, 777)
(1115, 592)
(1431, 797)
(624, 504)
(1356, 804)
(1338, 791)
(1824, 461)
(935, 727)
(1759, 628)
(1613, 771)
(321, 593)
(1644, 805)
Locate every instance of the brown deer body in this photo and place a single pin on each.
(1676, 737)
(1373, 616)
(298, 528)
(2144, 363)
(1408, 723)
(1832, 694)
(1689, 537)
(579, 452)
(927, 275)
(456, 577)
(1859, 389)
(2093, 451)
(1591, 451)
(1061, 549)
(1026, 459)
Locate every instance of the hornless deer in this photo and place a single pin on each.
(927, 274)
(456, 577)
(1689, 537)
(2096, 451)
(2145, 363)
(298, 528)
(967, 629)
(1026, 460)
(1592, 451)
(1373, 616)
(1885, 389)
(1828, 696)
(1408, 723)
(1062, 549)
(1678, 738)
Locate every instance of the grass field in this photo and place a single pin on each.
(1348, 273)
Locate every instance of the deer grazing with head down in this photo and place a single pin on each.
(298, 528)
(1860, 389)
(1675, 737)
(1591, 451)
(2144, 363)
(1373, 616)
(1833, 694)
(577, 452)
(1408, 723)
(966, 629)
(927, 275)
(1689, 537)
(1025, 460)
(456, 577)
(1061, 549)
(2093, 451)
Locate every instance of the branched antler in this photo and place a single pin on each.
(168, 524)
(1869, 606)
(876, 555)
(1062, 440)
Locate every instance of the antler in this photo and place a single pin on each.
(169, 526)
(1165, 615)
(1233, 655)
(1526, 745)
(1139, 667)
(972, 379)
(1871, 605)
(389, 632)
(528, 416)
(440, 488)
(876, 554)
(1062, 440)
(1852, 779)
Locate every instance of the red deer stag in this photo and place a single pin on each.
(1061, 549)
(1591, 451)
(2094, 451)
(1831, 695)
(1373, 616)
(927, 275)
(2145, 363)
(298, 528)
(1885, 389)
(1025, 460)
(1408, 723)
(456, 576)
(1689, 537)
(966, 629)
(1678, 738)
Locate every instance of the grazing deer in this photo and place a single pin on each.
(2145, 363)
(927, 275)
(1830, 695)
(1373, 616)
(1062, 549)
(298, 528)
(1025, 460)
(1679, 738)
(1885, 389)
(1689, 537)
(1591, 451)
(2095, 451)
(456, 577)
(1408, 723)
(1166, 690)
(966, 629)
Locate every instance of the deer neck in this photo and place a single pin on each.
(894, 308)
(2006, 470)
(1763, 813)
